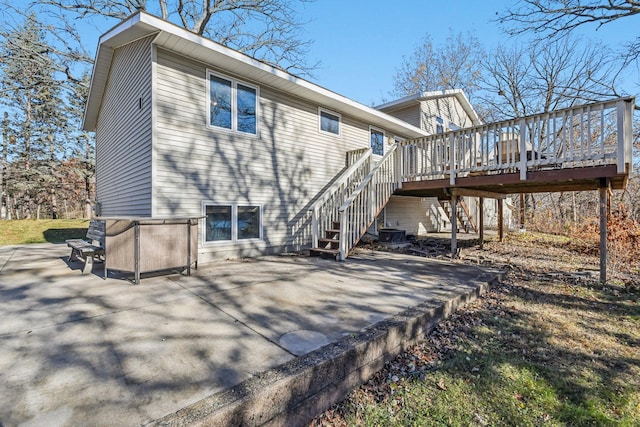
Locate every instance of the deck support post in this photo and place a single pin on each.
(522, 212)
(604, 196)
(481, 221)
(454, 226)
(500, 220)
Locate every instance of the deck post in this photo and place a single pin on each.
(481, 221)
(604, 195)
(452, 159)
(500, 220)
(523, 150)
(454, 226)
(522, 212)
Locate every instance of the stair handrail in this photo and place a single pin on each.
(368, 201)
(324, 201)
(465, 208)
(440, 216)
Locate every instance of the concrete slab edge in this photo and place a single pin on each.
(296, 392)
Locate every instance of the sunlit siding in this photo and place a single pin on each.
(410, 114)
(446, 108)
(283, 169)
(412, 214)
(123, 134)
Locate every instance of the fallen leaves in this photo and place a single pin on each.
(547, 311)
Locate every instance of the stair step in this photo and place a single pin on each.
(324, 252)
(335, 243)
(331, 232)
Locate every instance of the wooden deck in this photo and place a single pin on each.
(573, 149)
(579, 148)
(552, 180)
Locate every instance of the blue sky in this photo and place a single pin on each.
(361, 43)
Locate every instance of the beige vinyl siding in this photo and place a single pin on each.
(412, 214)
(123, 134)
(282, 169)
(410, 114)
(448, 108)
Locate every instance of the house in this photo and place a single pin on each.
(187, 127)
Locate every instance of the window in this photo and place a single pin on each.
(232, 105)
(248, 222)
(232, 222)
(220, 93)
(439, 125)
(329, 122)
(377, 141)
(247, 103)
(218, 223)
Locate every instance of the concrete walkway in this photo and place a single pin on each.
(216, 347)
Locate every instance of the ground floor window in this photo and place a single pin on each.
(231, 222)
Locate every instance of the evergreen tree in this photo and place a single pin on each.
(31, 92)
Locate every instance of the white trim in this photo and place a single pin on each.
(234, 104)
(333, 113)
(234, 223)
(424, 96)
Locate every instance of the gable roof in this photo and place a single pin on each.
(438, 94)
(184, 42)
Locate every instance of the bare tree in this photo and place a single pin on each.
(541, 77)
(556, 18)
(269, 30)
(457, 65)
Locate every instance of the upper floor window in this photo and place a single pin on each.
(439, 125)
(329, 122)
(233, 105)
(377, 141)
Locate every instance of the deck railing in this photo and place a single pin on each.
(324, 211)
(590, 135)
(362, 207)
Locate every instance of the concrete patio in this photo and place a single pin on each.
(271, 340)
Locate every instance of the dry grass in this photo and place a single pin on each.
(24, 231)
(548, 346)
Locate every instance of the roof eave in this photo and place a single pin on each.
(142, 24)
(411, 99)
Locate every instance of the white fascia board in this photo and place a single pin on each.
(411, 99)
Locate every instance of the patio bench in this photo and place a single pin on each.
(88, 249)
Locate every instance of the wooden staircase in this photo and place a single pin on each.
(328, 246)
(465, 220)
(343, 213)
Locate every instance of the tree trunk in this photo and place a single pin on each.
(54, 204)
(8, 207)
(88, 208)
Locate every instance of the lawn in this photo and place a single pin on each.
(19, 232)
(549, 346)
